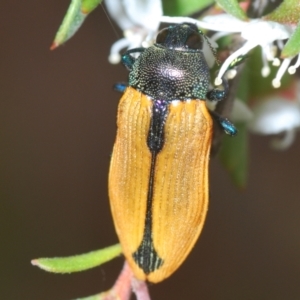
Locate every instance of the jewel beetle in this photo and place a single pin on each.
(158, 178)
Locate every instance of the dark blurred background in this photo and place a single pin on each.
(57, 126)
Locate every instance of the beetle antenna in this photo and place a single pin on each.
(213, 50)
(109, 20)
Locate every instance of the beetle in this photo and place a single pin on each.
(158, 178)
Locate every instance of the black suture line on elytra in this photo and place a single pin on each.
(146, 256)
(155, 139)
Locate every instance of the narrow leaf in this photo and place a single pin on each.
(109, 295)
(234, 156)
(89, 5)
(184, 7)
(234, 150)
(71, 22)
(288, 12)
(78, 263)
(233, 8)
(94, 297)
(259, 86)
(76, 14)
(292, 47)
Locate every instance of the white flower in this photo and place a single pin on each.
(256, 32)
(276, 114)
(139, 20)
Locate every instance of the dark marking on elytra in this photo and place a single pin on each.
(146, 256)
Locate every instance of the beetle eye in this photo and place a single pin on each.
(162, 35)
(194, 41)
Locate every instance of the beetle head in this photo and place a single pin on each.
(185, 36)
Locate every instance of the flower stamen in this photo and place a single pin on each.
(240, 52)
(114, 56)
(276, 82)
(266, 70)
(292, 69)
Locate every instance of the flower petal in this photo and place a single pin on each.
(285, 142)
(275, 116)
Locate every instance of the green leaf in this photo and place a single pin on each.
(262, 86)
(71, 22)
(184, 7)
(94, 297)
(76, 14)
(233, 8)
(110, 294)
(292, 47)
(89, 5)
(78, 263)
(288, 12)
(234, 156)
(234, 150)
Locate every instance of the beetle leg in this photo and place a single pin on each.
(128, 60)
(120, 87)
(227, 126)
(218, 95)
